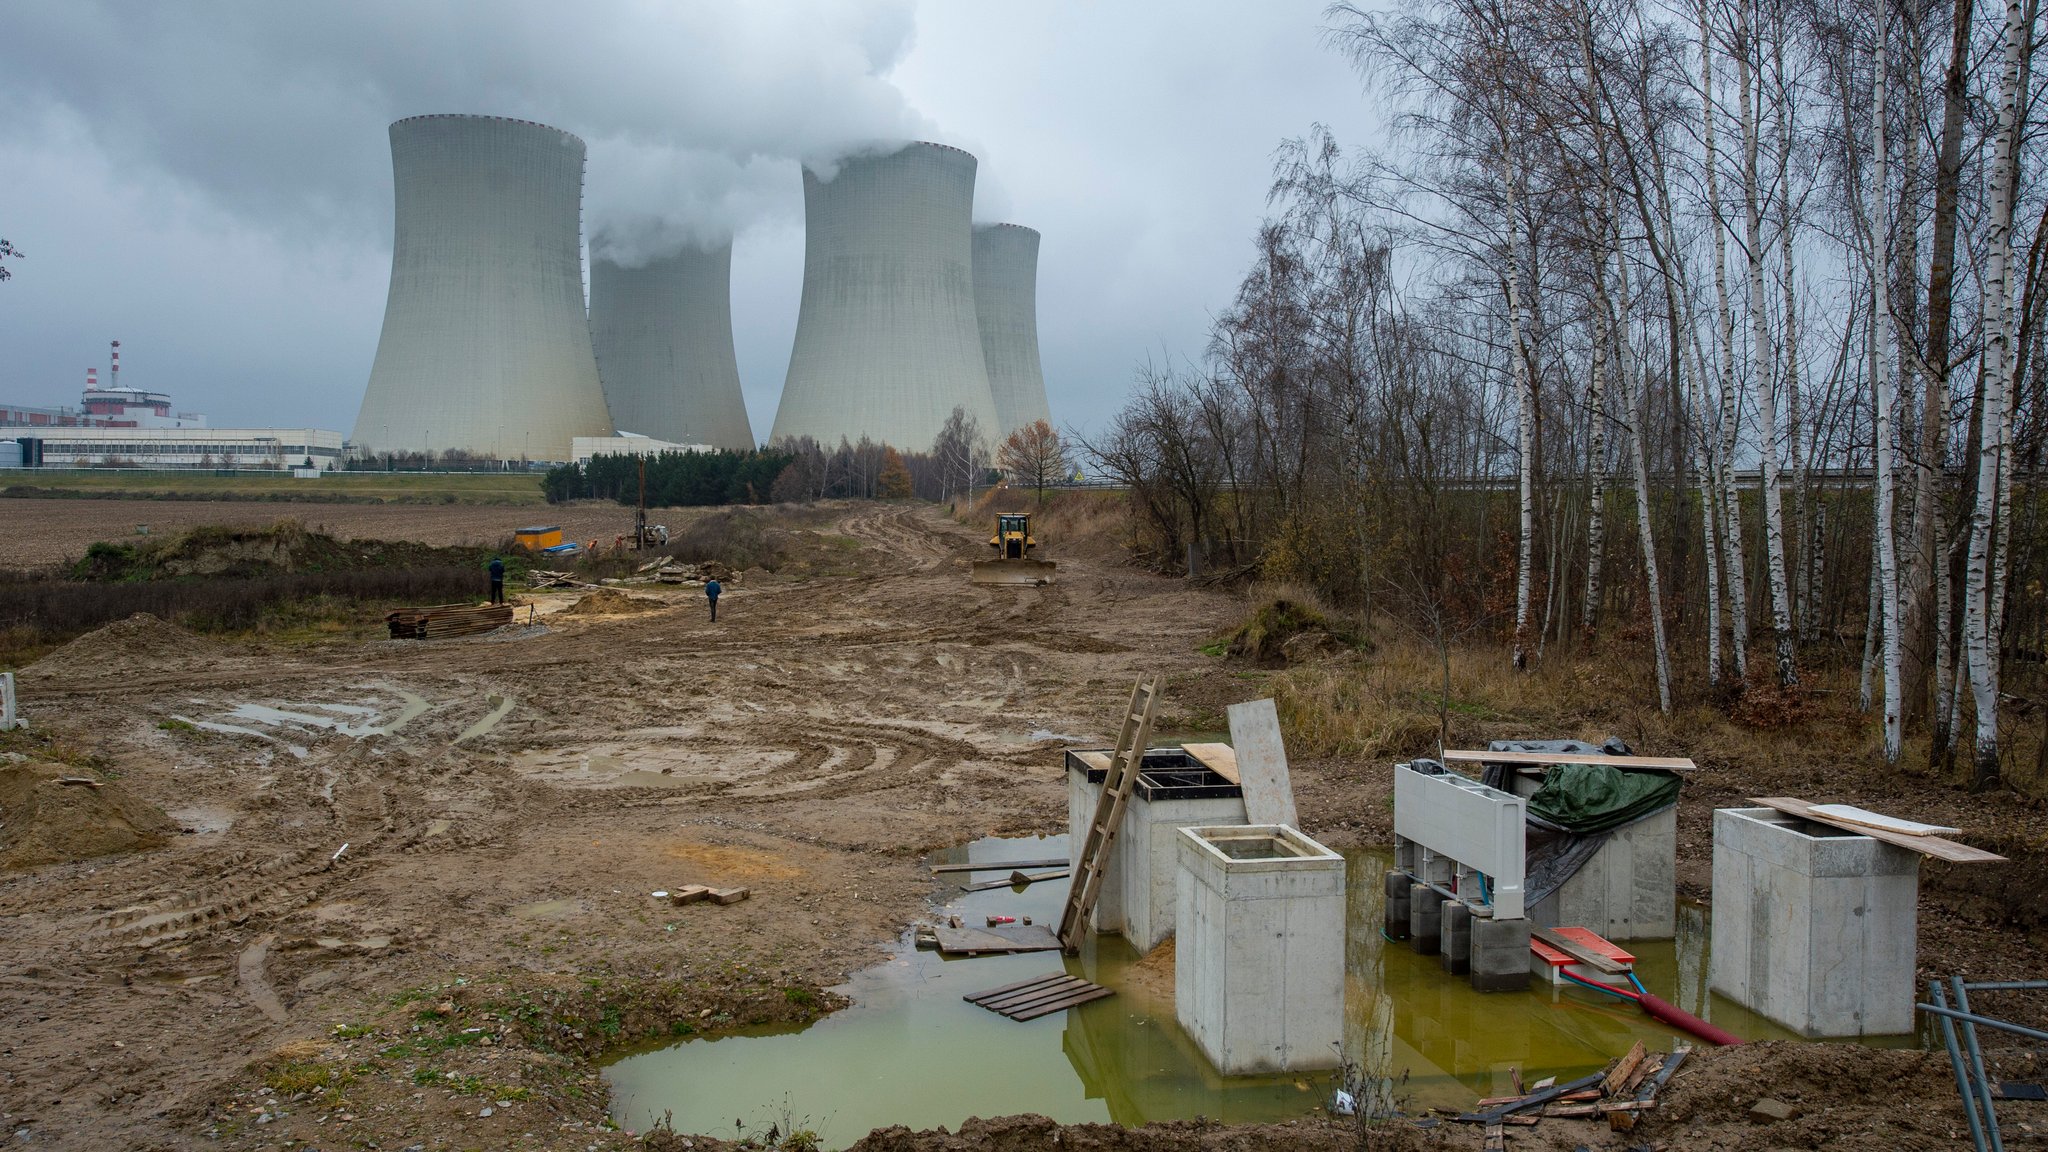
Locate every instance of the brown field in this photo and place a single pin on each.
(811, 745)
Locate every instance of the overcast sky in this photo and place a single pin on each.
(210, 183)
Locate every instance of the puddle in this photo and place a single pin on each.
(911, 1051)
(504, 706)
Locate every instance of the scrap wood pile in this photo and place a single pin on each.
(668, 570)
(1617, 1095)
(545, 578)
(445, 620)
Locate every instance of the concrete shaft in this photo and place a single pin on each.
(886, 340)
(1006, 307)
(486, 346)
(663, 335)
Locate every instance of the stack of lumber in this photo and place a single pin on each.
(1617, 1095)
(445, 620)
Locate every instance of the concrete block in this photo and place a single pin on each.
(1396, 915)
(1500, 954)
(1137, 900)
(1457, 827)
(1424, 920)
(1455, 947)
(1259, 960)
(1628, 890)
(1813, 927)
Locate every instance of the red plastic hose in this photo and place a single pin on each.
(1678, 1017)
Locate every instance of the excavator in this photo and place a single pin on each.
(1013, 563)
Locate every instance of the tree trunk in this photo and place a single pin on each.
(1980, 628)
(1765, 359)
(1876, 342)
(1596, 461)
(1724, 464)
(1525, 417)
(1635, 400)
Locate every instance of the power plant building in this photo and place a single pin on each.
(486, 345)
(1006, 307)
(887, 343)
(663, 336)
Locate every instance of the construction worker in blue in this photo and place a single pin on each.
(711, 591)
(497, 580)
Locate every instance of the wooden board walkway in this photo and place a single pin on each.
(997, 940)
(1038, 996)
(1933, 846)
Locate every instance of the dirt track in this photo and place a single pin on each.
(489, 925)
(810, 745)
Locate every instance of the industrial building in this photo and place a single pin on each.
(1006, 307)
(486, 345)
(583, 448)
(663, 335)
(887, 344)
(203, 448)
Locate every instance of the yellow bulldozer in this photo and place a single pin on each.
(1013, 563)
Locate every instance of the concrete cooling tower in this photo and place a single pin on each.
(886, 341)
(663, 334)
(486, 347)
(1006, 305)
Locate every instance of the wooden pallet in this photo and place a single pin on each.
(445, 620)
(1117, 784)
(996, 940)
(1038, 996)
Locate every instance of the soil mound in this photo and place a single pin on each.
(46, 821)
(612, 602)
(141, 639)
(1285, 629)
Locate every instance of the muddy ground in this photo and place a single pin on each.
(38, 532)
(508, 803)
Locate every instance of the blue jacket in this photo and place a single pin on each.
(497, 569)
(712, 589)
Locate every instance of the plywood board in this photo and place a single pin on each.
(1865, 818)
(1096, 761)
(1933, 846)
(1262, 764)
(1003, 938)
(1015, 878)
(1661, 763)
(1218, 758)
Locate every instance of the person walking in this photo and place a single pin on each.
(711, 591)
(497, 580)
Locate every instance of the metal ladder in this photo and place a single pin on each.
(1117, 784)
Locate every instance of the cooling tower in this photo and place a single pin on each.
(886, 341)
(485, 347)
(663, 334)
(1006, 306)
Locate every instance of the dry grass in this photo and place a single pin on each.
(1085, 523)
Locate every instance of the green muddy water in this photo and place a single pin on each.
(910, 1051)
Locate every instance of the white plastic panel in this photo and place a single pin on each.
(1459, 826)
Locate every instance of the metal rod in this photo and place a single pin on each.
(1977, 1066)
(2008, 986)
(2002, 1025)
(1955, 1061)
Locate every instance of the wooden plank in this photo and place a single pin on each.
(1579, 952)
(1475, 756)
(730, 895)
(1094, 993)
(1218, 758)
(999, 866)
(1623, 1069)
(1643, 1072)
(1096, 761)
(991, 993)
(1496, 1137)
(1262, 763)
(1865, 818)
(1596, 1110)
(1009, 938)
(1532, 1100)
(690, 894)
(1933, 846)
(1031, 998)
(1656, 1083)
(1014, 879)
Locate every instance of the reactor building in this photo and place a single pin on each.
(486, 345)
(1006, 306)
(887, 343)
(663, 335)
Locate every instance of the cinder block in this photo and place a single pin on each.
(1396, 915)
(1424, 921)
(1259, 956)
(1500, 954)
(1455, 946)
(1813, 927)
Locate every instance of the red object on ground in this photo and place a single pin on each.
(995, 920)
(1678, 1017)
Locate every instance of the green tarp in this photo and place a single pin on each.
(1585, 798)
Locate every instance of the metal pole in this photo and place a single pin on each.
(1977, 1066)
(1942, 1009)
(2008, 986)
(1955, 1060)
